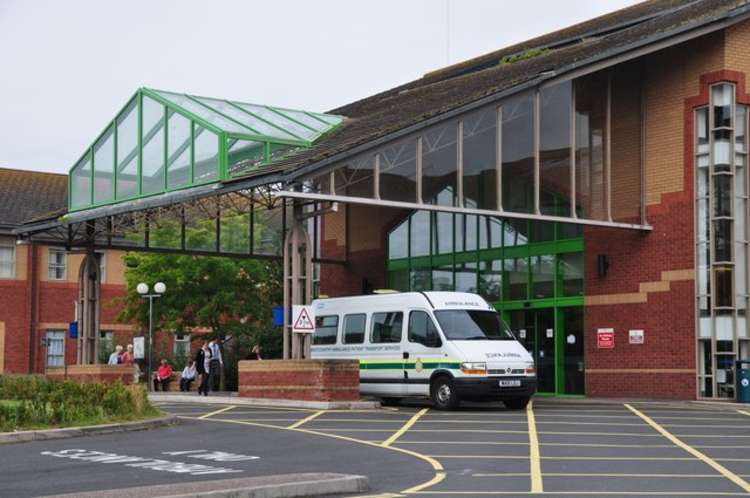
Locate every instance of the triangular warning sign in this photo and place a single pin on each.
(303, 321)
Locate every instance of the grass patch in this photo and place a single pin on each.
(30, 402)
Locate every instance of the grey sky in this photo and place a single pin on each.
(68, 66)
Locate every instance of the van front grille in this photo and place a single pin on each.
(503, 371)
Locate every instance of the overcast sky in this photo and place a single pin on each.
(67, 67)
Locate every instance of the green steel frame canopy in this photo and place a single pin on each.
(164, 141)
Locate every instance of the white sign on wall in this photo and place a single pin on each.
(303, 319)
(139, 348)
(635, 336)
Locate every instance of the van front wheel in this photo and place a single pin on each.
(443, 393)
(516, 403)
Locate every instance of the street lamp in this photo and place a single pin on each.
(143, 290)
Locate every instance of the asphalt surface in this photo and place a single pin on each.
(557, 448)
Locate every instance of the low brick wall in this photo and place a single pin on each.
(93, 373)
(306, 380)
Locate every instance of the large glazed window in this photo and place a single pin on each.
(152, 141)
(720, 145)
(518, 153)
(480, 159)
(104, 157)
(591, 145)
(439, 164)
(127, 151)
(554, 149)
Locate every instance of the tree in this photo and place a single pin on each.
(232, 297)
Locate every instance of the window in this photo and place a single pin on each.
(354, 329)
(473, 325)
(182, 345)
(102, 256)
(422, 330)
(56, 263)
(106, 346)
(55, 348)
(386, 327)
(7, 259)
(326, 329)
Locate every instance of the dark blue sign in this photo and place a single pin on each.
(278, 316)
(73, 330)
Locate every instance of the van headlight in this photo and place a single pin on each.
(474, 368)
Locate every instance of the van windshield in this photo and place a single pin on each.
(471, 325)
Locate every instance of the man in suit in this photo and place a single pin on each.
(216, 365)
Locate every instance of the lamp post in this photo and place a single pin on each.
(143, 290)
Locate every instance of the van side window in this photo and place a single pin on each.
(422, 330)
(354, 329)
(386, 327)
(326, 328)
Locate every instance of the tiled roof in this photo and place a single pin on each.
(461, 84)
(25, 195)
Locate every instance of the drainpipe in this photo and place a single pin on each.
(32, 277)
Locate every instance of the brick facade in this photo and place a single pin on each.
(308, 380)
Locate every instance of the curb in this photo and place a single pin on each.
(86, 430)
(278, 486)
(264, 402)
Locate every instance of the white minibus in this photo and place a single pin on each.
(448, 346)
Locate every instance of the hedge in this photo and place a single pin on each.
(31, 401)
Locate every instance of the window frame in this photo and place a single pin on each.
(372, 327)
(180, 341)
(48, 340)
(7, 244)
(345, 333)
(53, 267)
(434, 326)
(335, 335)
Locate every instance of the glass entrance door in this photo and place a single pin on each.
(536, 331)
(555, 345)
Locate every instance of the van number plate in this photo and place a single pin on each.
(510, 383)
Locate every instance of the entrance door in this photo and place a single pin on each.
(536, 331)
(571, 320)
(557, 349)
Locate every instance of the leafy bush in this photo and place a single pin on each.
(28, 401)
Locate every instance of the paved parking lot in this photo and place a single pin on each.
(555, 448)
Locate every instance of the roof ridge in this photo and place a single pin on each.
(18, 170)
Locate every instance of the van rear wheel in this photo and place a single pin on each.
(516, 403)
(443, 393)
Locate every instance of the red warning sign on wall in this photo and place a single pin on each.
(605, 338)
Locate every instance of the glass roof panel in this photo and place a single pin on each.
(243, 117)
(331, 119)
(305, 119)
(269, 126)
(205, 113)
(270, 114)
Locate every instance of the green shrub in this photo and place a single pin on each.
(28, 401)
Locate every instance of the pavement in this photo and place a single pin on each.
(555, 448)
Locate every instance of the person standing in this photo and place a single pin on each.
(205, 357)
(215, 365)
(116, 357)
(127, 357)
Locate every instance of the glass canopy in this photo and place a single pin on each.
(163, 141)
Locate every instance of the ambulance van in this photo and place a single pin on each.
(447, 346)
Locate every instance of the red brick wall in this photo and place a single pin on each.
(14, 311)
(663, 367)
(308, 380)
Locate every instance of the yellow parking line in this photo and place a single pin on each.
(628, 459)
(534, 460)
(405, 427)
(436, 466)
(306, 419)
(577, 474)
(697, 454)
(586, 493)
(225, 409)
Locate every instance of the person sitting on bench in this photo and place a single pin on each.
(162, 376)
(188, 376)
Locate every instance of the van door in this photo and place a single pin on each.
(423, 352)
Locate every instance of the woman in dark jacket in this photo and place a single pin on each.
(200, 357)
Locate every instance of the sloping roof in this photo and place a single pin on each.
(459, 85)
(25, 195)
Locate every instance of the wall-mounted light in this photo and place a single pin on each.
(602, 265)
